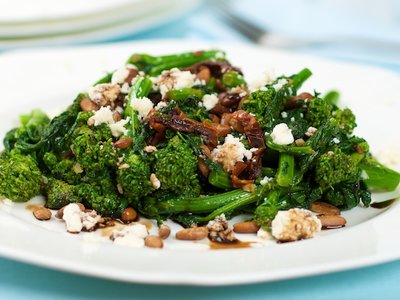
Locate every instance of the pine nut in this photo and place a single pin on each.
(42, 213)
(123, 143)
(246, 227)
(164, 231)
(128, 215)
(328, 221)
(87, 105)
(192, 234)
(153, 241)
(325, 208)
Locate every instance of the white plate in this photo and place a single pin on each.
(51, 78)
(105, 22)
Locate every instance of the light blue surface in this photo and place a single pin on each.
(22, 281)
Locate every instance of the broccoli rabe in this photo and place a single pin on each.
(176, 168)
(59, 193)
(133, 175)
(334, 167)
(20, 177)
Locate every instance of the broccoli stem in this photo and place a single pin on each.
(220, 179)
(292, 149)
(154, 65)
(105, 79)
(141, 87)
(183, 94)
(200, 205)
(285, 174)
(332, 97)
(251, 198)
(300, 78)
(380, 177)
(232, 78)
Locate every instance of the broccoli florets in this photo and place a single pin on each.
(20, 177)
(102, 196)
(133, 176)
(319, 111)
(176, 168)
(60, 193)
(347, 195)
(346, 120)
(65, 169)
(334, 167)
(93, 149)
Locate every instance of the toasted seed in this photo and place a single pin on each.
(123, 143)
(42, 213)
(116, 116)
(246, 227)
(87, 105)
(128, 215)
(60, 212)
(164, 231)
(328, 221)
(325, 208)
(153, 241)
(204, 74)
(192, 234)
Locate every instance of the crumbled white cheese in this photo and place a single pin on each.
(229, 153)
(105, 116)
(279, 84)
(150, 149)
(262, 234)
(125, 88)
(336, 140)
(311, 131)
(143, 106)
(238, 90)
(104, 93)
(295, 224)
(284, 114)
(292, 119)
(118, 128)
(265, 180)
(209, 101)
(132, 235)
(160, 105)
(120, 75)
(174, 79)
(282, 135)
(8, 202)
(75, 219)
(266, 78)
(155, 182)
(72, 218)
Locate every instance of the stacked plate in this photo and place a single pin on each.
(46, 22)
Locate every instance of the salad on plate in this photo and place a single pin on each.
(184, 137)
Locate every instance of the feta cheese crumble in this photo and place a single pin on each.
(265, 180)
(311, 131)
(219, 231)
(143, 106)
(279, 84)
(295, 224)
(105, 116)
(262, 234)
(155, 182)
(282, 135)
(267, 77)
(230, 153)
(174, 79)
(209, 101)
(104, 93)
(76, 219)
(132, 235)
(120, 75)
